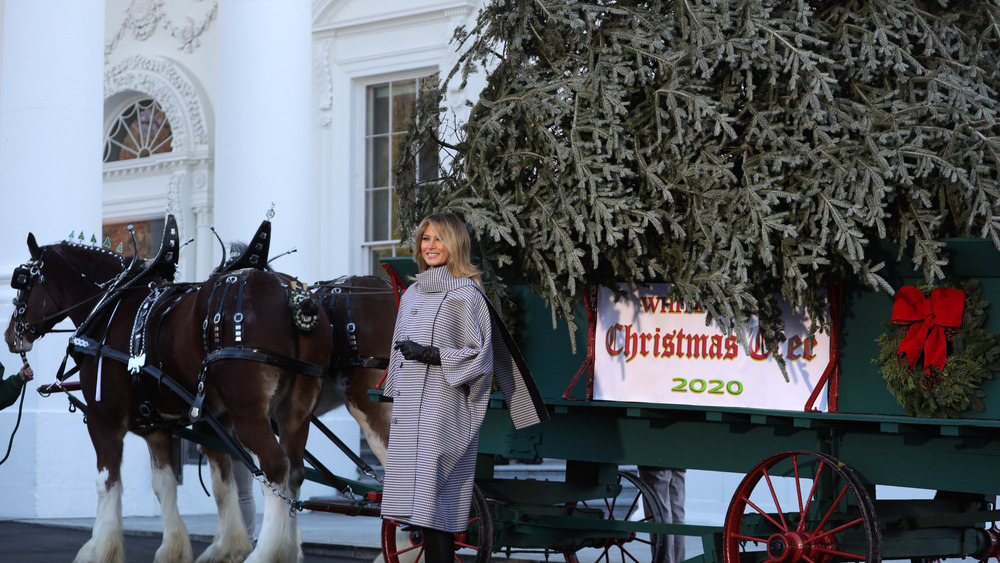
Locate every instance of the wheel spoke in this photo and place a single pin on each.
(833, 506)
(409, 549)
(841, 528)
(630, 556)
(798, 489)
(834, 552)
(781, 526)
(812, 495)
(640, 540)
(632, 508)
(774, 497)
(750, 538)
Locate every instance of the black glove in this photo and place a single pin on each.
(430, 355)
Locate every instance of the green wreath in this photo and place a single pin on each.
(305, 310)
(973, 354)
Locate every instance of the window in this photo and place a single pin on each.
(389, 112)
(141, 130)
(148, 234)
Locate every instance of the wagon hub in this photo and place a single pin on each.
(793, 547)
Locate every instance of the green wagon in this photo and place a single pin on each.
(809, 492)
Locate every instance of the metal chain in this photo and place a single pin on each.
(293, 505)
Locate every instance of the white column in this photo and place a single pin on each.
(51, 115)
(263, 136)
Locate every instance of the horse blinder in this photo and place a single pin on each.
(24, 275)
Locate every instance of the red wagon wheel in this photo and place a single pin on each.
(801, 507)
(477, 537)
(634, 504)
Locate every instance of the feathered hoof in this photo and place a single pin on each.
(174, 553)
(101, 552)
(216, 555)
(295, 556)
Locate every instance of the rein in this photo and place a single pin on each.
(20, 410)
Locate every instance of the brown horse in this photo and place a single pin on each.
(362, 311)
(227, 353)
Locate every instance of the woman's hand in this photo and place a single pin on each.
(410, 350)
(26, 373)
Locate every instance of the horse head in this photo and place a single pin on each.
(57, 282)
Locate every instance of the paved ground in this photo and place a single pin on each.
(327, 538)
(35, 543)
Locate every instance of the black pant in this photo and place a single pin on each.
(439, 546)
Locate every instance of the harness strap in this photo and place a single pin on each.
(350, 327)
(137, 344)
(360, 463)
(204, 324)
(342, 286)
(89, 346)
(265, 357)
(368, 362)
(238, 315)
(217, 319)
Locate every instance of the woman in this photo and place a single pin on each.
(450, 345)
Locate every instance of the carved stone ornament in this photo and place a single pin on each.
(143, 17)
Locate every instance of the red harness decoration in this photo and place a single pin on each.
(927, 319)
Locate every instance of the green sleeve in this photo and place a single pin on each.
(10, 389)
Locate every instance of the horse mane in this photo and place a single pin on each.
(94, 258)
(95, 249)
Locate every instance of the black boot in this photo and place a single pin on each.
(439, 547)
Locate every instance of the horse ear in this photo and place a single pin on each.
(33, 246)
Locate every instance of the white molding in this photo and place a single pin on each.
(410, 18)
(170, 86)
(155, 164)
(323, 73)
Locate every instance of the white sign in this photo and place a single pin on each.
(650, 350)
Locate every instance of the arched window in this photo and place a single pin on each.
(139, 131)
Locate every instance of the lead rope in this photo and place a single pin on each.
(20, 409)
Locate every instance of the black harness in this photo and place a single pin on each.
(162, 296)
(329, 292)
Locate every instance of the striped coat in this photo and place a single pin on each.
(438, 410)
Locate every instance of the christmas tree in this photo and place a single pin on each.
(746, 151)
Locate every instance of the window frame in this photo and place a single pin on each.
(367, 248)
(111, 124)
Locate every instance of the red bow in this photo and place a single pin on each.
(928, 318)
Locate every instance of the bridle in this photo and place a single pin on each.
(27, 275)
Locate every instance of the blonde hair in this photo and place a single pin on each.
(456, 240)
